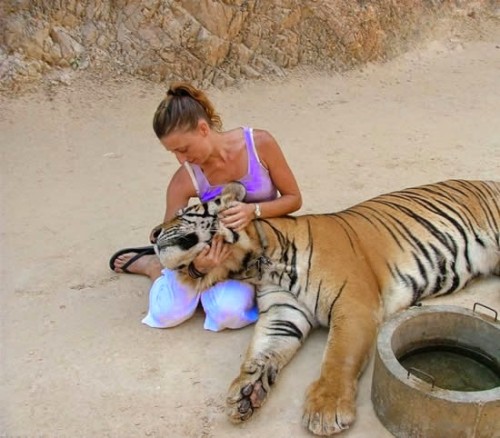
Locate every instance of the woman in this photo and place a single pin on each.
(188, 126)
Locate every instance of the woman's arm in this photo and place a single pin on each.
(271, 157)
(179, 191)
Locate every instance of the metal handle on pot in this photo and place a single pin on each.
(486, 307)
(416, 370)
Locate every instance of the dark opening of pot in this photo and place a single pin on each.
(452, 366)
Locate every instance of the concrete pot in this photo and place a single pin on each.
(409, 404)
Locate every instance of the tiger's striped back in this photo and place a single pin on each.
(428, 240)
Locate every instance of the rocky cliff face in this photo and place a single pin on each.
(214, 42)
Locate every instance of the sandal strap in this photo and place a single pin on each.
(147, 251)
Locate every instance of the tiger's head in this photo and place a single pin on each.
(181, 239)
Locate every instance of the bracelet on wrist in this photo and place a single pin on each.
(257, 211)
(194, 273)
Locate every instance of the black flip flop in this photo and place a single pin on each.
(141, 251)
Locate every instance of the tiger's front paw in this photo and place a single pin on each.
(250, 389)
(328, 410)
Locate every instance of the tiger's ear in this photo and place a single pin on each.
(233, 191)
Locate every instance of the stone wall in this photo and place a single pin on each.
(210, 42)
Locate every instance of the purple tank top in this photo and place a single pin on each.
(257, 181)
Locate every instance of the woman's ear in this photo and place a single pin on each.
(203, 127)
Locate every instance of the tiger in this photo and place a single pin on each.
(346, 271)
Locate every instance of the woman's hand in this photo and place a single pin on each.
(212, 255)
(238, 216)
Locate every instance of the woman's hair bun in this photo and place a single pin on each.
(177, 90)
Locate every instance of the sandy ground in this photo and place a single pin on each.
(83, 175)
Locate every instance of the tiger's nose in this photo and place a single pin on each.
(153, 237)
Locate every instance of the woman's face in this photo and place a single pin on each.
(191, 146)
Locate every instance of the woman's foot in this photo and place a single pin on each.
(138, 263)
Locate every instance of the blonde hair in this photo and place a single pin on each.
(182, 108)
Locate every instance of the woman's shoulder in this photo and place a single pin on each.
(264, 141)
(262, 135)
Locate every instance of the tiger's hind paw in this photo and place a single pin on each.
(327, 414)
(249, 390)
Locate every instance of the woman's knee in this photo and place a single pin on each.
(229, 304)
(170, 303)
